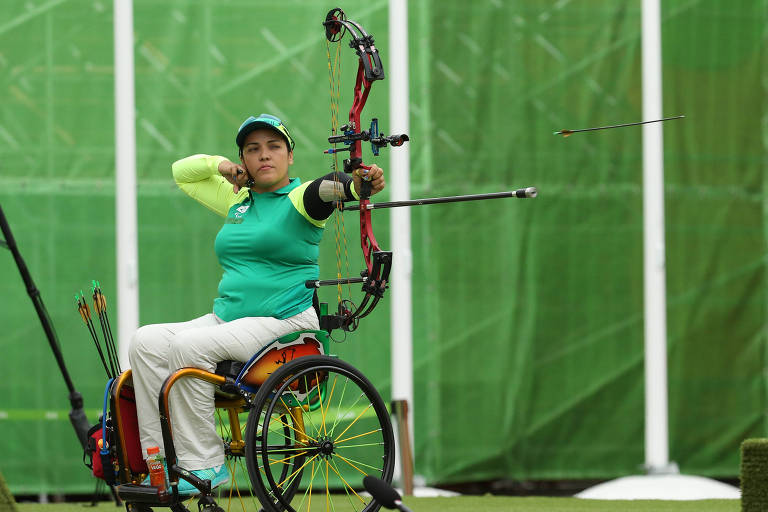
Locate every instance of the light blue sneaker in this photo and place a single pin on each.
(217, 475)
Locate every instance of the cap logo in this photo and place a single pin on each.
(270, 120)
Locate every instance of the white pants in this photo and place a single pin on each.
(158, 350)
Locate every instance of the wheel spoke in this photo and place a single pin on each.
(352, 407)
(294, 422)
(308, 491)
(346, 484)
(309, 414)
(236, 491)
(341, 401)
(363, 445)
(283, 449)
(234, 488)
(297, 471)
(354, 421)
(329, 401)
(311, 481)
(339, 441)
(282, 461)
(327, 491)
(225, 431)
(287, 482)
(350, 462)
(320, 396)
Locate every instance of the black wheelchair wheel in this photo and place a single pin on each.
(318, 427)
(281, 440)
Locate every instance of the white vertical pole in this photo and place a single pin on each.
(400, 218)
(125, 179)
(656, 422)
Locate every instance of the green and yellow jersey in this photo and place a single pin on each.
(269, 243)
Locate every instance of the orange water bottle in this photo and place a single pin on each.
(156, 469)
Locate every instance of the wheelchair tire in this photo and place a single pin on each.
(318, 426)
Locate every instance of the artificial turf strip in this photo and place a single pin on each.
(507, 504)
(7, 503)
(471, 504)
(753, 474)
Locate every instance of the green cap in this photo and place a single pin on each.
(263, 121)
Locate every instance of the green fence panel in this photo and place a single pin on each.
(528, 315)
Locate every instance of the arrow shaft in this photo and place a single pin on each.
(617, 125)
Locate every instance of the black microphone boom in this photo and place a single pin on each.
(384, 493)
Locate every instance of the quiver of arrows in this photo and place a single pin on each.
(106, 346)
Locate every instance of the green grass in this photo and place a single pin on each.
(474, 504)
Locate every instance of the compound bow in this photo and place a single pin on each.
(375, 276)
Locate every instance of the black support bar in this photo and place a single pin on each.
(76, 415)
(334, 282)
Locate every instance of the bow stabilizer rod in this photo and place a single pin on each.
(521, 193)
(566, 133)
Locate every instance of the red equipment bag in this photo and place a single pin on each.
(129, 428)
(92, 451)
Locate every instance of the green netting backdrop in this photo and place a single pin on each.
(528, 334)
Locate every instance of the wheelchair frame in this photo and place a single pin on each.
(237, 385)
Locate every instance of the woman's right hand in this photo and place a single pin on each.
(233, 173)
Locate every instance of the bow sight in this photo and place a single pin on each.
(376, 139)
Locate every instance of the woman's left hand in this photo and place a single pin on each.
(374, 175)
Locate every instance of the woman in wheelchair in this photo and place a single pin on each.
(267, 247)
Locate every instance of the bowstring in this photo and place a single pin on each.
(340, 233)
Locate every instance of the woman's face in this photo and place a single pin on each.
(266, 156)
